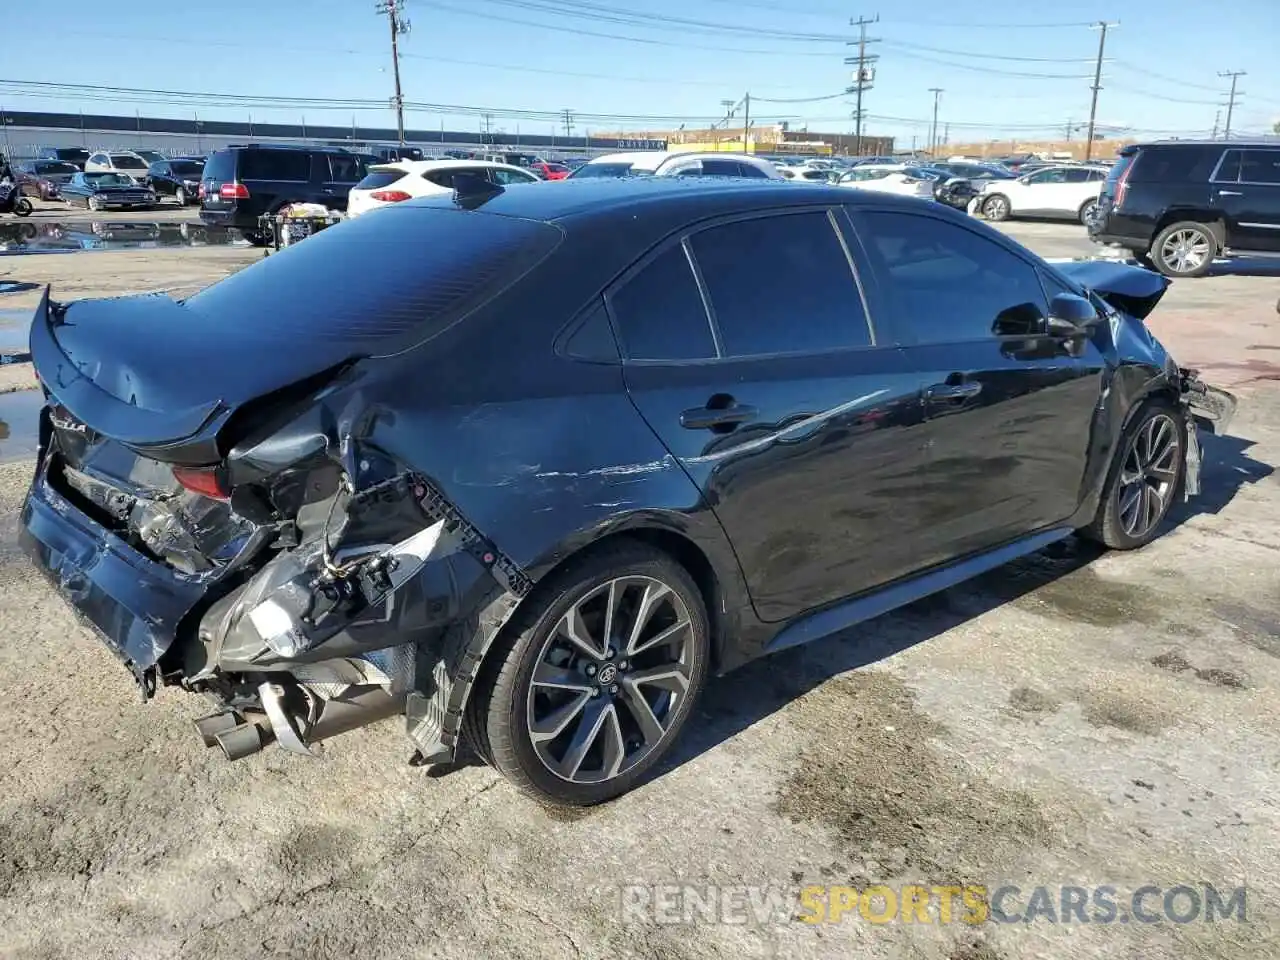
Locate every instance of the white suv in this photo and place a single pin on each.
(124, 162)
(388, 183)
(664, 163)
(1069, 192)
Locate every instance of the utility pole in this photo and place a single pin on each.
(568, 122)
(1217, 119)
(728, 106)
(946, 134)
(1231, 98)
(933, 129)
(1102, 25)
(746, 121)
(863, 76)
(399, 28)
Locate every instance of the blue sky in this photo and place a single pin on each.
(1161, 76)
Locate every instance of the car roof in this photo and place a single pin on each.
(422, 166)
(688, 198)
(1221, 144)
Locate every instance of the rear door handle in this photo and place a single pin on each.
(1230, 193)
(708, 418)
(964, 390)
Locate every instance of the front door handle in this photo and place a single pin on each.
(711, 418)
(1230, 193)
(955, 392)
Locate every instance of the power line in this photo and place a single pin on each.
(992, 70)
(986, 56)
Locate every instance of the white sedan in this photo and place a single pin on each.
(1068, 192)
(888, 178)
(388, 183)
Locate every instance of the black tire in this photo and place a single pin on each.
(497, 721)
(257, 238)
(180, 195)
(1086, 212)
(1108, 526)
(22, 207)
(997, 207)
(1168, 264)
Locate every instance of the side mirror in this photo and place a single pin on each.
(1070, 315)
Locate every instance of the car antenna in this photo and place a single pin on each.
(471, 191)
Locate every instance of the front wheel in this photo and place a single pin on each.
(1145, 478)
(22, 207)
(996, 208)
(1088, 211)
(591, 684)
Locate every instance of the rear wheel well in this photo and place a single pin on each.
(1211, 220)
(686, 553)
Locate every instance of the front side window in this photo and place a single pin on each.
(781, 284)
(1048, 176)
(507, 177)
(660, 313)
(950, 284)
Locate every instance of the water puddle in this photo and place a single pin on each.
(53, 237)
(18, 412)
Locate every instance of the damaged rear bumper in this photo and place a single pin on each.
(1211, 408)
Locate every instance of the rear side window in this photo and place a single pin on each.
(1229, 170)
(275, 165)
(377, 179)
(1172, 164)
(444, 178)
(1260, 166)
(507, 177)
(123, 161)
(221, 166)
(950, 284)
(781, 284)
(722, 168)
(604, 170)
(660, 314)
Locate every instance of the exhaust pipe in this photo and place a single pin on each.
(209, 727)
(243, 741)
(303, 733)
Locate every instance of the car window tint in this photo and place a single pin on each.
(1166, 163)
(1229, 171)
(221, 167)
(507, 177)
(344, 168)
(725, 168)
(377, 179)
(781, 284)
(1078, 175)
(660, 314)
(949, 283)
(275, 165)
(1260, 166)
(593, 338)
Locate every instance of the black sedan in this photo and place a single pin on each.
(104, 191)
(177, 179)
(525, 466)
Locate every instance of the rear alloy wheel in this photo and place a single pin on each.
(1184, 249)
(1146, 479)
(996, 207)
(181, 196)
(594, 688)
(1088, 210)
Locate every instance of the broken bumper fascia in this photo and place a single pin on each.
(1207, 408)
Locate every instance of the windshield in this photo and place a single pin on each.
(108, 180)
(187, 168)
(125, 161)
(606, 170)
(55, 167)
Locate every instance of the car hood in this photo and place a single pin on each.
(1134, 290)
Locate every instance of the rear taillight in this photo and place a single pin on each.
(390, 196)
(233, 191)
(201, 194)
(1122, 187)
(202, 480)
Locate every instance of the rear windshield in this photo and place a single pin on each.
(73, 154)
(55, 167)
(220, 166)
(125, 161)
(409, 272)
(377, 179)
(603, 170)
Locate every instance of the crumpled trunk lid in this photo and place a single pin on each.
(1134, 290)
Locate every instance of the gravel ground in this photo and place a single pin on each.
(1075, 718)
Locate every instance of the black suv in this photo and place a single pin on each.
(178, 178)
(1178, 205)
(242, 183)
